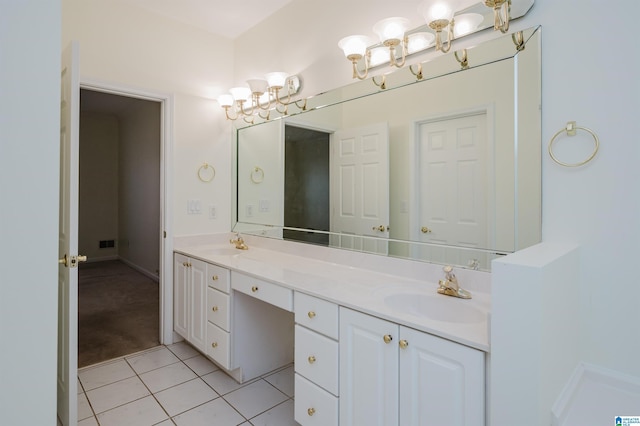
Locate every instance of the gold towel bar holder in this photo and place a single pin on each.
(571, 129)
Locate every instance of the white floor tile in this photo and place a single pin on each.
(221, 382)
(201, 365)
(217, 412)
(165, 377)
(152, 360)
(283, 380)
(104, 374)
(280, 415)
(143, 412)
(84, 409)
(91, 421)
(116, 394)
(186, 396)
(183, 350)
(255, 398)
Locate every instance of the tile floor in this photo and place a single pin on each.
(176, 385)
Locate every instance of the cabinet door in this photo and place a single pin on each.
(441, 382)
(198, 304)
(368, 370)
(180, 294)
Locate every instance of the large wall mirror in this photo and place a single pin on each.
(445, 169)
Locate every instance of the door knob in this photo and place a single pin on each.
(425, 230)
(380, 228)
(72, 261)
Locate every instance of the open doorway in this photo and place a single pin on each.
(119, 225)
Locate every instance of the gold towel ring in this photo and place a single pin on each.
(257, 175)
(204, 168)
(571, 130)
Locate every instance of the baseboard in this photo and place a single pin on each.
(143, 271)
(587, 376)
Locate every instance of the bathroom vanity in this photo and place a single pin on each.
(373, 344)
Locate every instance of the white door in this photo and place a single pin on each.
(68, 239)
(181, 295)
(452, 186)
(360, 188)
(368, 370)
(197, 306)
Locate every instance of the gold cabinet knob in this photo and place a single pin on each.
(214, 309)
(214, 278)
(214, 345)
(403, 344)
(254, 288)
(387, 338)
(311, 314)
(425, 230)
(311, 411)
(185, 264)
(311, 359)
(380, 228)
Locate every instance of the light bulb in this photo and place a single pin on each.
(354, 47)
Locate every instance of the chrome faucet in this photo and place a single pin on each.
(239, 242)
(449, 285)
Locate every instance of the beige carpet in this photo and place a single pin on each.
(118, 312)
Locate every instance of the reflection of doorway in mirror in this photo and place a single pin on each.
(360, 188)
(454, 187)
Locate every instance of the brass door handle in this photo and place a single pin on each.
(387, 338)
(425, 230)
(380, 228)
(72, 261)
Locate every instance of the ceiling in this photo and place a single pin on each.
(226, 18)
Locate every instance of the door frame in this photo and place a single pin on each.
(166, 193)
(414, 166)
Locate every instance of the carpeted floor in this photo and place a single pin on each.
(118, 312)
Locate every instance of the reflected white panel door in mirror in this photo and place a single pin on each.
(453, 184)
(68, 238)
(360, 188)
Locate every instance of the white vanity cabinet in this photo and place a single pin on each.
(394, 375)
(316, 361)
(190, 300)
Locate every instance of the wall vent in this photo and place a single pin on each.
(107, 244)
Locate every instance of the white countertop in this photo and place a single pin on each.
(317, 272)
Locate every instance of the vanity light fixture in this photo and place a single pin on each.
(501, 14)
(442, 27)
(260, 97)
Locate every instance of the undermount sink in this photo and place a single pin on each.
(226, 251)
(435, 307)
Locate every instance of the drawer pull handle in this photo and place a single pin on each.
(214, 309)
(254, 288)
(403, 344)
(311, 411)
(214, 278)
(311, 314)
(387, 338)
(214, 345)
(311, 359)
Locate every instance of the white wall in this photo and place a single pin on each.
(123, 45)
(98, 196)
(29, 152)
(588, 75)
(139, 186)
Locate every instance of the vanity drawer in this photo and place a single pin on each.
(218, 311)
(317, 314)
(218, 345)
(316, 358)
(314, 406)
(218, 278)
(268, 292)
